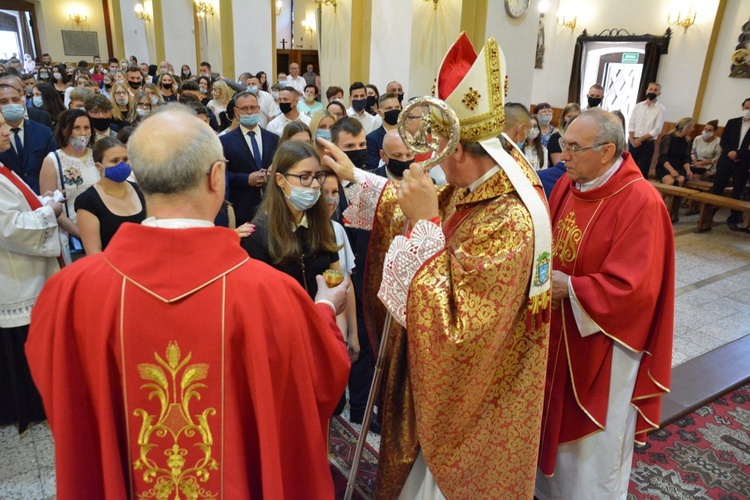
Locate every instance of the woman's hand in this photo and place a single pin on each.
(245, 230)
(353, 347)
(336, 160)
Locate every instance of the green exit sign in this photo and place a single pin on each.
(630, 58)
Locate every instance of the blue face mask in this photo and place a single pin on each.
(323, 134)
(13, 112)
(302, 198)
(253, 89)
(250, 121)
(37, 101)
(118, 173)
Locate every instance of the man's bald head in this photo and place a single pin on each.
(183, 166)
(394, 146)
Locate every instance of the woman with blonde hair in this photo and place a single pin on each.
(221, 95)
(120, 98)
(673, 165)
(154, 94)
(140, 108)
(321, 124)
(168, 86)
(293, 231)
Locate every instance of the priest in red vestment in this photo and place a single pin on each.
(173, 366)
(612, 315)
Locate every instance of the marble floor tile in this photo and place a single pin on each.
(24, 485)
(48, 482)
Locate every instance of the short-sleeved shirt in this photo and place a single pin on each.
(91, 201)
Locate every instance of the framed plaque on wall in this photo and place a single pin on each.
(80, 43)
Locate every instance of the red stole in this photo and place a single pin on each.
(31, 198)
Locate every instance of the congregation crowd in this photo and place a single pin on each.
(101, 163)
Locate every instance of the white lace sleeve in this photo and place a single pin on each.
(404, 257)
(363, 199)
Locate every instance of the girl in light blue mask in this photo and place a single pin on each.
(112, 201)
(293, 231)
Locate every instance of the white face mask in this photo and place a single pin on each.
(746, 114)
(533, 134)
(707, 135)
(154, 101)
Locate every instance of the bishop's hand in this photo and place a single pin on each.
(336, 160)
(417, 195)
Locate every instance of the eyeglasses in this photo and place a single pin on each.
(574, 150)
(121, 92)
(247, 109)
(306, 179)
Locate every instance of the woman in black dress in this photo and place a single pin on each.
(112, 201)
(673, 166)
(293, 232)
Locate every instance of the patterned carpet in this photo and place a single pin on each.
(704, 455)
(343, 443)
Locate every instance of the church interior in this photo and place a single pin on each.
(554, 51)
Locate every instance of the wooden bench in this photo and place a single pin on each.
(673, 195)
(704, 186)
(715, 200)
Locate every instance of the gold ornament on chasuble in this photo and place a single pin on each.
(469, 392)
(175, 439)
(567, 238)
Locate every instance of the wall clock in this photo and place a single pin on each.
(516, 8)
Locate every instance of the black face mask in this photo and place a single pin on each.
(371, 101)
(651, 96)
(391, 116)
(594, 101)
(100, 123)
(285, 107)
(397, 167)
(134, 85)
(108, 86)
(357, 156)
(359, 104)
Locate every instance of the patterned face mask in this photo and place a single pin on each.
(80, 142)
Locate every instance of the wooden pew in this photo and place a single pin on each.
(673, 194)
(714, 200)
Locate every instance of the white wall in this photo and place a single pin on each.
(53, 17)
(679, 70)
(517, 39)
(253, 48)
(135, 34)
(336, 27)
(179, 34)
(391, 29)
(724, 95)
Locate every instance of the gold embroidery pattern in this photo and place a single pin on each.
(178, 475)
(566, 238)
(471, 98)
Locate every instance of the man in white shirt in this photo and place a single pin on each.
(288, 106)
(294, 79)
(644, 127)
(268, 107)
(358, 101)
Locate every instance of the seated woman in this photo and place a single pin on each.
(706, 151)
(673, 166)
(140, 108)
(112, 201)
(293, 231)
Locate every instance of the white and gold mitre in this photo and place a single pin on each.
(474, 86)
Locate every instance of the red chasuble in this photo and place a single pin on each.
(173, 366)
(617, 244)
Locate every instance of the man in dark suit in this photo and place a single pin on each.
(249, 151)
(32, 113)
(734, 161)
(30, 141)
(389, 108)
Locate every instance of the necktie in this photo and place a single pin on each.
(256, 150)
(19, 146)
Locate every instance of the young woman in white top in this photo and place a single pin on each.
(533, 149)
(75, 162)
(706, 150)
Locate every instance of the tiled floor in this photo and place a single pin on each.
(712, 307)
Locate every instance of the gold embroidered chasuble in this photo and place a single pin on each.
(465, 383)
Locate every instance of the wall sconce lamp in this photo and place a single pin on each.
(279, 5)
(141, 12)
(434, 3)
(681, 20)
(307, 26)
(204, 8)
(567, 22)
(77, 18)
(321, 3)
(543, 7)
